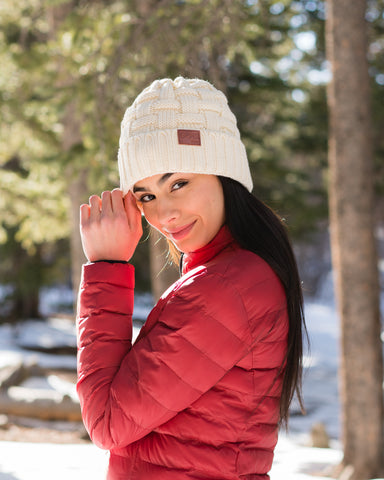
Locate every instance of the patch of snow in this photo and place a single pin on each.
(320, 378)
(294, 461)
(143, 304)
(41, 386)
(51, 333)
(62, 386)
(60, 299)
(44, 461)
(55, 299)
(31, 394)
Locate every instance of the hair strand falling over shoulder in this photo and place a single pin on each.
(257, 228)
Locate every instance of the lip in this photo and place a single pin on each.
(182, 232)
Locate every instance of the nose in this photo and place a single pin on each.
(167, 211)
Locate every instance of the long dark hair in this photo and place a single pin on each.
(257, 228)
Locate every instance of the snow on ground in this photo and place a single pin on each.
(294, 458)
(42, 461)
(12, 353)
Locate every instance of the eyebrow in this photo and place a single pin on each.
(161, 180)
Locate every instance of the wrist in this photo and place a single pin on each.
(110, 261)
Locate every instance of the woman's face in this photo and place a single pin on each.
(187, 208)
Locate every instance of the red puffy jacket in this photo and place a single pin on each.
(197, 395)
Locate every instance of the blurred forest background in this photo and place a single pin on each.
(69, 69)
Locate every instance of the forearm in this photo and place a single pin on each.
(104, 327)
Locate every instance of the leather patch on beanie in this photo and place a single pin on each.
(189, 137)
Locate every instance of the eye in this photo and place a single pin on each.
(146, 198)
(179, 184)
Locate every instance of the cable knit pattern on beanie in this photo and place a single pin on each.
(181, 125)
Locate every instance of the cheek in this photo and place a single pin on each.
(148, 214)
(221, 209)
(217, 210)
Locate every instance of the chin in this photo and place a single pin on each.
(190, 247)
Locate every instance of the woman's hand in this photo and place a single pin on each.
(110, 227)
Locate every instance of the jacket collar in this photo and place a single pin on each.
(222, 239)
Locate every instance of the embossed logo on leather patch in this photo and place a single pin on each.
(189, 137)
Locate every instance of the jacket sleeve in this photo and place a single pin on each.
(127, 391)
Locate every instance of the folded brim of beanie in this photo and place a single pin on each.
(160, 152)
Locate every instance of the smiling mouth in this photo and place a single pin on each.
(183, 232)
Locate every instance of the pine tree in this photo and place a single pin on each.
(353, 242)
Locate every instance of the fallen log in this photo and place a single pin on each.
(16, 374)
(53, 406)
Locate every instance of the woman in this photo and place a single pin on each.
(202, 391)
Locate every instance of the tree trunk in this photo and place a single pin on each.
(77, 190)
(162, 273)
(76, 177)
(27, 275)
(354, 256)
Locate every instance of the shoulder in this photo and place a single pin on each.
(261, 290)
(204, 300)
(244, 273)
(253, 277)
(236, 282)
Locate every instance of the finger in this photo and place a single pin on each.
(139, 204)
(95, 206)
(117, 200)
(131, 207)
(130, 202)
(106, 204)
(85, 211)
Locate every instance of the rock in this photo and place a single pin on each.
(319, 436)
(4, 422)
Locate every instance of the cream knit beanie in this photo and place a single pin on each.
(185, 126)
